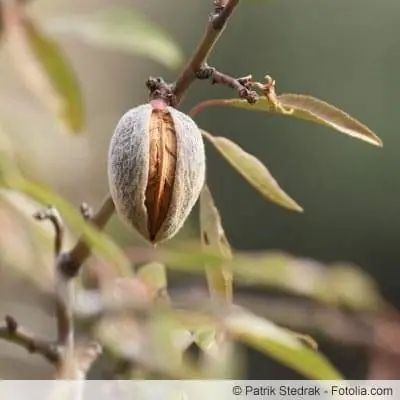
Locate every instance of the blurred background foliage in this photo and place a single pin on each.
(342, 52)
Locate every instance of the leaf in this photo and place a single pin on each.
(45, 69)
(123, 30)
(329, 284)
(213, 239)
(310, 109)
(155, 343)
(154, 276)
(102, 245)
(280, 344)
(26, 245)
(221, 358)
(253, 171)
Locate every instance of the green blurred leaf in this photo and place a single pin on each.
(310, 109)
(45, 69)
(156, 344)
(221, 358)
(154, 276)
(332, 284)
(103, 246)
(26, 245)
(213, 239)
(123, 30)
(265, 336)
(253, 171)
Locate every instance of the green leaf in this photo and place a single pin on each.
(213, 239)
(32, 255)
(333, 284)
(310, 109)
(46, 71)
(280, 344)
(123, 30)
(253, 171)
(156, 343)
(103, 246)
(154, 276)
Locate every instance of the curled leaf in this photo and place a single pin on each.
(123, 30)
(253, 171)
(45, 68)
(310, 109)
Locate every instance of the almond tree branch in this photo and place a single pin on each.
(74, 259)
(241, 85)
(223, 10)
(13, 333)
(63, 289)
(75, 360)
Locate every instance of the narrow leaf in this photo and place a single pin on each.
(253, 171)
(329, 284)
(45, 69)
(213, 239)
(123, 30)
(315, 110)
(102, 245)
(311, 109)
(279, 343)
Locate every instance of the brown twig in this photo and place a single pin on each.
(73, 260)
(75, 361)
(63, 289)
(223, 9)
(51, 214)
(86, 211)
(13, 333)
(241, 85)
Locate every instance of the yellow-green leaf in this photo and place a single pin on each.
(103, 246)
(311, 109)
(213, 239)
(154, 276)
(279, 343)
(253, 171)
(45, 69)
(123, 30)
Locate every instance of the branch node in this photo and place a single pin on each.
(11, 324)
(161, 90)
(223, 10)
(67, 266)
(86, 211)
(205, 72)
(241, 85)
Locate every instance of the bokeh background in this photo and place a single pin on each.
(343, 52)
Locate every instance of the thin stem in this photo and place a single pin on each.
(51, 214)
(222, 13)
(63, 285)
(241, 85)
(13, 333)
(81, 251)
(206, 104)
